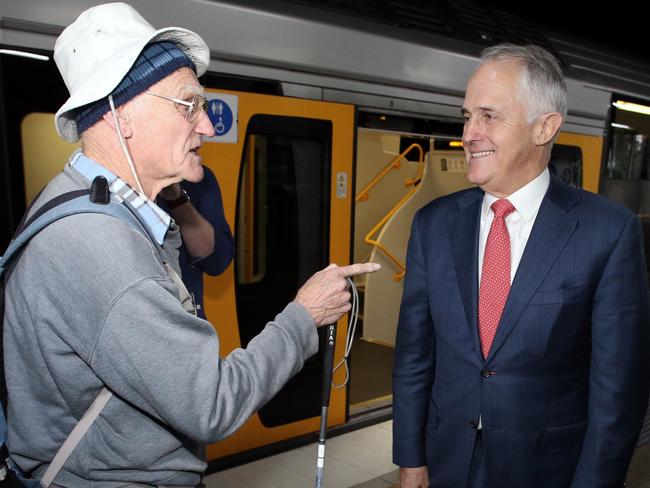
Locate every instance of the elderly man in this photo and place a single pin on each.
(522, 346)
(108, 310)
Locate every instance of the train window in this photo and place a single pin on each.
(627, 168)
(283, 234)
(629, 156)
(629, 150)
(27, 86)
(566, 163)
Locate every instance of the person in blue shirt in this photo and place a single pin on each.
(208, 245)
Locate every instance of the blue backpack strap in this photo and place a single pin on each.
(78, 204)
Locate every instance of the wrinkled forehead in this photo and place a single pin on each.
(506, 73)
(494, 81)
(182, 82)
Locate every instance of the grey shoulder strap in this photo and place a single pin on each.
(75, 436)
(187, 300)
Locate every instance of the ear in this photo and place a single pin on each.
(122, 119)
(546, 127)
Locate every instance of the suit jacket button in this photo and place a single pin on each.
(485, 373)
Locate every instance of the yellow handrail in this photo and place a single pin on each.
(394, 164)
(409, 182)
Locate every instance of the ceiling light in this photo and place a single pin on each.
(620, 126)
(632, 107)
(24, 54)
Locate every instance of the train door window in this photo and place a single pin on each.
(629, 152)
(31, 91)
(282, 233)
(627, 168)
(566, 163)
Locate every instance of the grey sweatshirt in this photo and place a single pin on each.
(89, 304)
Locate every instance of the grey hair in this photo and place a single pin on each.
(541, 83)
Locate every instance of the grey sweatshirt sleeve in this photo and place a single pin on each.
(104, 295)
(166, 361)
(90, 304)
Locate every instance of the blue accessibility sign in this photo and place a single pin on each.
(220, 115)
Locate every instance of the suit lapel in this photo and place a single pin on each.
(463, 231)
(552, 229)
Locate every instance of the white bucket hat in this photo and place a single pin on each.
(98, 49)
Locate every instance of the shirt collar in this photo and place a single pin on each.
(156, 220)
(527, 199)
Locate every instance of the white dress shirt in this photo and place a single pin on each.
(526, 201)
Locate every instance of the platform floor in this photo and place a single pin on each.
(350, 460)
(359, 459)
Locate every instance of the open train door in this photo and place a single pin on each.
(285, 170)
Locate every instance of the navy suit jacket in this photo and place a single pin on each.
(564, 390)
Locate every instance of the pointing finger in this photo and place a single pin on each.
(359, 268)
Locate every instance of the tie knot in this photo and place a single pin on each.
(502, 208)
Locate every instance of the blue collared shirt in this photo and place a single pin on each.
(155, 219)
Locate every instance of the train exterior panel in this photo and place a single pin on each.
(226, 160)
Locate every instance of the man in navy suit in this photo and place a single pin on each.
(532, 374)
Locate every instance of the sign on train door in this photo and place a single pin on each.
(284, 166)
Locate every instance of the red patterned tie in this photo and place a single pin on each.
(495, 275)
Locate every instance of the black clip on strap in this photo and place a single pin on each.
(99, 191)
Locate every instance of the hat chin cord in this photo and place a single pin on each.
(125, 149)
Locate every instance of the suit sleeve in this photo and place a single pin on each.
(413, 372)
(619, 375)
(207, 200)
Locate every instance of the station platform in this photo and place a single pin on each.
(359, 459)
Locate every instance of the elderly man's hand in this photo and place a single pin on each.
(325, 295)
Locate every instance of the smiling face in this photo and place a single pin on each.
(166, 143)
(500, 144)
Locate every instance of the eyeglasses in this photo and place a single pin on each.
(192, 109)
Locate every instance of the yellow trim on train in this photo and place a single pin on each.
(220, 306)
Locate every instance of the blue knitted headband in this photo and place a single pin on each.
(155, 62)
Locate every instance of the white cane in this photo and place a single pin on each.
(328, 372)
